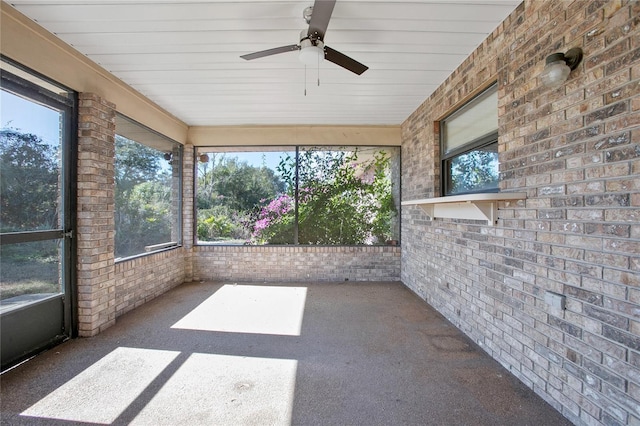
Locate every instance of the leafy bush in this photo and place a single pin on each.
(341, 200)
(221, 223)
(215, 227)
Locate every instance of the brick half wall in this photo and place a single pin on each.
(141, 279)
(299, 264)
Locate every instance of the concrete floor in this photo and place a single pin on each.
(273, 354)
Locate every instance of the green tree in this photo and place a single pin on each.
(134, 163)
(473, 171)
(29, 176)
(230, 191)
(342, 200)
(142, 196)
(236, 184)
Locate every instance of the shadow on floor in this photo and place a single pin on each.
(273, 354)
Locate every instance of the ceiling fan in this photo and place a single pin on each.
(311, 46)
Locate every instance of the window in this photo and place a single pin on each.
(298, 195)
(148, 174)
(470, 146)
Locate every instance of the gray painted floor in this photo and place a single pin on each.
(273, 354)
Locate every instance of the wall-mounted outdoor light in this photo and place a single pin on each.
(559, 65)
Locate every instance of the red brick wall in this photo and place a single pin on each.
(574, 151)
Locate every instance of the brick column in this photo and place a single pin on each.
(188, 194)
(176, 201)
(96, 223)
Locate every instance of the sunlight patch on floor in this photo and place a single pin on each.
(211, 389)
(103, 391)
(249, 309)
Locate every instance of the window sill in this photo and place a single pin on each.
(158, 248)
(469, 206)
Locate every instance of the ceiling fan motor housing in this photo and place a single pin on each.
(312, 39)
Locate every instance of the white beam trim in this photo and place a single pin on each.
(294, 135)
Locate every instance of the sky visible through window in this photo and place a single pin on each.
(29, 117)
(258, 159)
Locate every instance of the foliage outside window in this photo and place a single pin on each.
(309, 195)
(148, 190)
(30, 195)
(470, 146)
(30, 201)
(34, 148)
(30, 181)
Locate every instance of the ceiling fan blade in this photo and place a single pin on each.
(322, 10)
(344, 61)
(269, 52)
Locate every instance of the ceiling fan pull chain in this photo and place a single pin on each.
(305, 79)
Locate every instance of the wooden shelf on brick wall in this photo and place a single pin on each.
(470, 206)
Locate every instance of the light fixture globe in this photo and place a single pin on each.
(311, 54)
(558, 66)
(556, 71)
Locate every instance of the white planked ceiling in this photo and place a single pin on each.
(185, 56)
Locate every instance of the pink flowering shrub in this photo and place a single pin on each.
(274, 222)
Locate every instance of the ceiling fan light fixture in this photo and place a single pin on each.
(311, 54)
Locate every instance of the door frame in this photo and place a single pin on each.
(28, 329)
